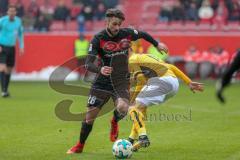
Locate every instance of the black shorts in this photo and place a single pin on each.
(7, 56)
(99, 95)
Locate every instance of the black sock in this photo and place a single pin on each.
(7, 80)
(2, 76)
(85, 131)
(117, 116)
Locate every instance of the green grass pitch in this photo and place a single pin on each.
(187, 127)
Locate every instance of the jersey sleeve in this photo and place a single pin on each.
(180, 74)
(94, 46)
(21, 35)
(92, 56)
(136, 34)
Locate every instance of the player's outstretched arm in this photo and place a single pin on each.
(159, 45)
(141, 34)
(180, 74)
(194, 86)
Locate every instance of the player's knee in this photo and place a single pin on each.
(122, 108)
(142, 108)
(3, 68)
(131, 108)
(89, 121)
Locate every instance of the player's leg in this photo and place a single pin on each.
(86, 129)
(122, 105)
(96, 100)
(232, 68)
(10, 62)
(120, 84)
(137, 114)
(138, 118)
(121, 101)
(3, 69)
(133, 135)
(119, 113)
(7, 81)
(157, 91)
(140, 111)
(226, 78)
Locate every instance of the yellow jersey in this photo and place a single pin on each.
(145, 66)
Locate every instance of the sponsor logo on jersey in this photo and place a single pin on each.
(111, 46)
(135, 31)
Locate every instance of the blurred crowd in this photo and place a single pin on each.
(204, 64)
(208, 63)
(212, 11)
(39, 17)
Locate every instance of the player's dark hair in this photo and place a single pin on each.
(12, 6)
(113, 12)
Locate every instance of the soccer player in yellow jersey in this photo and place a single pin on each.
(156, 81)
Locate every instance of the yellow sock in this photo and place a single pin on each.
(133, 134)
(144, 112)
(138, 121)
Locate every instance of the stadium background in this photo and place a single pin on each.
(55, 46)
(29, 128)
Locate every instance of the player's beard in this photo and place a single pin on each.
(114, 33)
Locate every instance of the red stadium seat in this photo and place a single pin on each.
(177, 26)
(152, 6)
(161, 26)
(89, 26)
(190, 26)
(232, 26)
(72, 26)
(58, 26)
(147, 27)
(98, 25)
(204, 27)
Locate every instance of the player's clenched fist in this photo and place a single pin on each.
(162, 47)
(106, 71)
